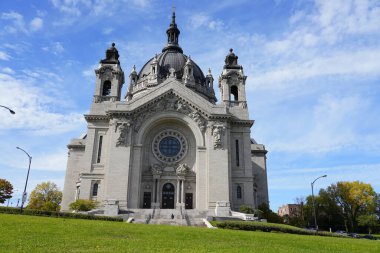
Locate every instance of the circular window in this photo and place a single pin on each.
(169, 146)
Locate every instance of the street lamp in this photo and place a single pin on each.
(312, 194)
(23, 198)
(9, 109)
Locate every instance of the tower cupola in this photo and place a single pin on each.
(109, 77)
(173, 34)
(112, 55)
(232, 82)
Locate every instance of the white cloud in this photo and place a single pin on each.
(141, 3)
(336, 38)
(202, 20)
(55, 48)
(36, 24)
(4, 56)
(8, 70)
(333, 124)
(56, 161)
(297, 179)
(16, 20)
(48, 161)
(74, 9)
(360, 63)
(15, 23)
(108, 30)
(89, 73)
(36, 107)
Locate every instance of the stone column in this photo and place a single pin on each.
(183, 192)
(178, 190)
(154, 199)
(158, 202)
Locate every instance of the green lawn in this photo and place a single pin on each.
(19, 233)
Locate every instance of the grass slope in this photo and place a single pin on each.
(42, 234)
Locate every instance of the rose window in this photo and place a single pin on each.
(169, 146)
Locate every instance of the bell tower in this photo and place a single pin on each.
(232, 82)
(109, 77)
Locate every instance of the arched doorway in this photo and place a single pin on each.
(168, 196)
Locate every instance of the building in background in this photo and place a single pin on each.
(168, 144)
(290, 210)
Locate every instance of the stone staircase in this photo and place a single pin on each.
(168, 217)
(175, 217)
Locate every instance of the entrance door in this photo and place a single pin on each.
(147, 200)
(189, 201)
(168, 196)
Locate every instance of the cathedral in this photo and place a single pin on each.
(168, 143)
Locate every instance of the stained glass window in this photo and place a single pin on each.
(170, 146)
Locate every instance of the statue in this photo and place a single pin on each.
(217, 132)
(122, 140)
(182, 169)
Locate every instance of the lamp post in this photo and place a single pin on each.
(23, 198)
(9, 109)
(312, 194)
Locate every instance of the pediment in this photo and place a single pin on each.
(179, 90)
(170, 96)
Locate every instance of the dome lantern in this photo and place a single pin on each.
(173, 34)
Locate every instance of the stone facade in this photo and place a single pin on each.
(168, 145)
(291, 210)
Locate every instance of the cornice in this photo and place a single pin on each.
(243, 122)
(94, 117)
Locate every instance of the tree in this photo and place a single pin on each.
(6, 190)
(46, 196)
(377, 204)
(297, 218)
(268, 214)
(353, 198)
(83, 205)
(368, 220)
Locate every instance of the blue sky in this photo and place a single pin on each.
(313, 82)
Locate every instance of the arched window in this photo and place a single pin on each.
(95, 189)
(238, 192)
(234, 92)
(106, 88)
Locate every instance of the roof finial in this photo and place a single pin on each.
(173, 34)
(173, 15)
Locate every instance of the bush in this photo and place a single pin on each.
(267, 227)
(83, 205)
(246, 209)
(12, 210)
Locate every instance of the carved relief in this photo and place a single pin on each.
(123, 129)
(169, 103)
(156, 169)
(97, 99)
(199, 120)
(182, 169)
(106, 71)
(217, 131)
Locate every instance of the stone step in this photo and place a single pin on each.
(173, 222)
